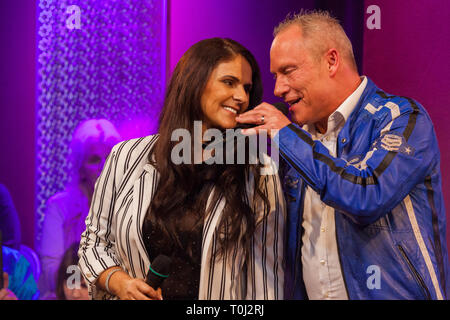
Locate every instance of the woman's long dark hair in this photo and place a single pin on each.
(181, 187)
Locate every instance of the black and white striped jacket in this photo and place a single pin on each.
(113, 235)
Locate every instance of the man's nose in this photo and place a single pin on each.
(281, 87)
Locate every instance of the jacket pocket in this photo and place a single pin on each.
(416, 275)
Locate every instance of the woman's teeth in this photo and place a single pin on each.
(230, 109)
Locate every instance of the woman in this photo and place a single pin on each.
(222, 225)
(66, 211)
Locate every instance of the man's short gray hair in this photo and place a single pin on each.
(321, 32)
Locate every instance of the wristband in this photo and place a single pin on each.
(107, 279)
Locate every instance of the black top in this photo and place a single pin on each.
(184, 275)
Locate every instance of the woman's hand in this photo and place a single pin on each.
(137, 289)
(126, 288)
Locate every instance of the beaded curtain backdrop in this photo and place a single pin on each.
(96, 59)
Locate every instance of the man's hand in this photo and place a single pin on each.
(5, 293)
(266, 116)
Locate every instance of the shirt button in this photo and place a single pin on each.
(344, 140)
(326, 295)
(322, 262)
(88, 274)
(322, 229)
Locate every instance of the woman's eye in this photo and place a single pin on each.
(228, 82)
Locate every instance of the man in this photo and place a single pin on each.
(363, 186)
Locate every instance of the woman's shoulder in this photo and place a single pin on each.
(129, 157)
(134, 148)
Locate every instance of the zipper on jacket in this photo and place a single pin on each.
(417, 276)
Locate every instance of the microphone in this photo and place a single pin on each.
(283, 108)
(1, 262)
(158, 271)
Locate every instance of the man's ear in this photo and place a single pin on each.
(333, 59)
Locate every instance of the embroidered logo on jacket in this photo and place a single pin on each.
(395, 142)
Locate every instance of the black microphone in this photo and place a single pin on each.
(1, 262)
(158, 271)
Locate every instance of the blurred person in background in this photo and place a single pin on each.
(9, 220)
(18, 280)
(66, 211)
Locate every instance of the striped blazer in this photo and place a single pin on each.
(113, 235)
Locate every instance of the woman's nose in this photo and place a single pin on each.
(240, 95)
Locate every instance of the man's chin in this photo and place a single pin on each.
(298, 121)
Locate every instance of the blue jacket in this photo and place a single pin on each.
(385, 187)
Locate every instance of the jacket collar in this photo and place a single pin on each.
(344, 134)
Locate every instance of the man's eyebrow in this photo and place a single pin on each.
(283, 69)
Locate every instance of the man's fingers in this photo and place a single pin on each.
(249, 117)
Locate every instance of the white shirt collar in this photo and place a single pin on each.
(346, 107)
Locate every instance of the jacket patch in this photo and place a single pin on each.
(392, 141)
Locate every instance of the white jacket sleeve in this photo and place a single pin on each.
(97, 246)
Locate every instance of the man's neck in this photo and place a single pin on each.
(322, 125)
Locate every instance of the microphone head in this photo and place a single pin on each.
(158, 271)
(282, 107)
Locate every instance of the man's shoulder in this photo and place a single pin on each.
(381, 103)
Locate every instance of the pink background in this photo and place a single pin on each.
(410, 56)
